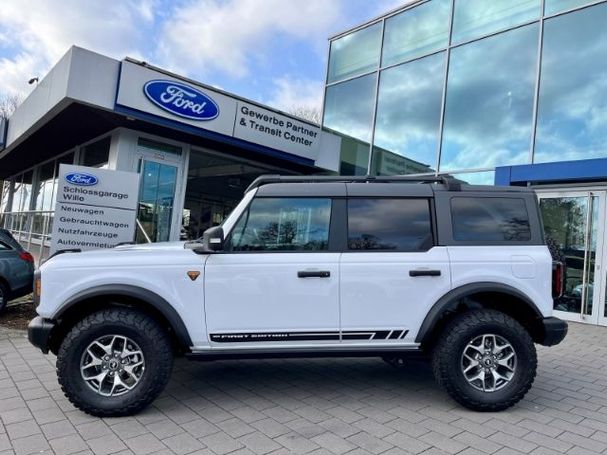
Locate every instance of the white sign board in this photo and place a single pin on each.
(178, 101)
(95, 208)
(266, 127)
(153, 92)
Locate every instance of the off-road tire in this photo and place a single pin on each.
(447, 354)
(3, 296)
(143, 330)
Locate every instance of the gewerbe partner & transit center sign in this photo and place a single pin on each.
(95, 208)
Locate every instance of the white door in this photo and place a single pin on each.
(574, 225)
(392, 273)
(276, 282)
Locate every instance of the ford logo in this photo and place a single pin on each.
(181, 100)
(81, 178)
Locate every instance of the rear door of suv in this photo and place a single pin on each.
(391, 271)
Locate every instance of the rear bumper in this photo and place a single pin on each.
(554, 331)
(39, 332)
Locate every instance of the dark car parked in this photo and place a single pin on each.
(16, 269)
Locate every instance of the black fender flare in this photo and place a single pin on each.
(450, 299)
(136, 292)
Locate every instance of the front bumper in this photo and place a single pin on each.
(39, 332)
(553, 331)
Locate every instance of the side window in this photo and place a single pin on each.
(490, 219)
(4, 246)
(283, 224)
(389, 224)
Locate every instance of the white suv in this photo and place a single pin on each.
(314, 266)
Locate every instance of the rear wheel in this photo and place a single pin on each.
(114, 362)
(485, 360)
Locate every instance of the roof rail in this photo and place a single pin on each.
(451, 183)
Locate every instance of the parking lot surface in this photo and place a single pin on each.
(319, 406)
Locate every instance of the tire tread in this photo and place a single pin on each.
(143, 323)
(445, 348)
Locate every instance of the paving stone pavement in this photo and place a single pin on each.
(320, 406)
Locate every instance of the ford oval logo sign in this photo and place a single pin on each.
(81, 178)
(180, 99)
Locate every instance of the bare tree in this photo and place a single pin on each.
(8, 104)
(309, 113)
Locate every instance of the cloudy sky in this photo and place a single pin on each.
(272, 51)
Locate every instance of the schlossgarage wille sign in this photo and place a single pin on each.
(95, 208)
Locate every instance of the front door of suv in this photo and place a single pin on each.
(391, 273)
(276, 282)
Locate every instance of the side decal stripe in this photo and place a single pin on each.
(252, 337)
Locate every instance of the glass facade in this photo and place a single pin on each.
(408, 116)
(463, 86)
(572, 115)
(489, 105)
(417, 32)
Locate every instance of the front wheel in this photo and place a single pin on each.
(114, 362)
(485, 360)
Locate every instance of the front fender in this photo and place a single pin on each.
(145, 295)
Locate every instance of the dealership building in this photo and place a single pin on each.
(506, 92)
(195, 147)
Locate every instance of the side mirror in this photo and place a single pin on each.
(212, 239)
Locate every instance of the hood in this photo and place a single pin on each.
(126, 255)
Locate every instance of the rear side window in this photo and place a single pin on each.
(490, 219)
(283, 224)
(389, 224)
(4, 246)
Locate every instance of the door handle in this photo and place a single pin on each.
(415, 273)
(313, 274)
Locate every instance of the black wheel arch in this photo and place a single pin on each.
(102, 296)
(499, 296)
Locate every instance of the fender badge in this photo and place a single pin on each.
(193, 274)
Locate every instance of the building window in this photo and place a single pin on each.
(572, 109)
(554, 6)
(23, 192)
(476, 18)
(349, 111)
(46, 179)
(96, 154)
(489, 105)
(283, 224)
(5, 193)
(356, 53)
(490, 219)
(389, 224)
(416, 32)
(408, 117)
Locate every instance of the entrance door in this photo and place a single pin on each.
(574, 224)
(156, 200)
(160, 192)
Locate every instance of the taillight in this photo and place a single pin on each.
(27, 257)
(558, 276)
